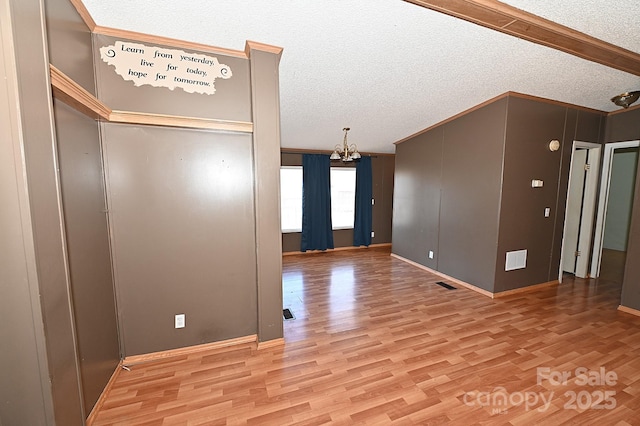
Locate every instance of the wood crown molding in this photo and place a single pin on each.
(254, 45)
(497, 98)
(326, 151)
(623, 110)
(84, 14)
(518, 23)
(78, 98)
(171, 42)
(178, 121)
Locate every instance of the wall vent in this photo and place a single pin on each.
(516, 260)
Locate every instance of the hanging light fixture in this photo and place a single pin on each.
(626, 99)
(346, 152)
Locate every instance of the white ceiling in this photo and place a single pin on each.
(387, 68)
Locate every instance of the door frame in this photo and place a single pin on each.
(588, 211)
(603, 201)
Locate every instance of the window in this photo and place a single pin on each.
(291, 198)
(343, 195)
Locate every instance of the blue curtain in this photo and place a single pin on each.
(316, 203)
(364, 193)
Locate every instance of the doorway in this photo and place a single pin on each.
(580, 209)
(616, 196)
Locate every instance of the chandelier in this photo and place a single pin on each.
(345, 152)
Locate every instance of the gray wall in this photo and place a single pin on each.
(463, 190)
(382, 174)
(531, 124)
(470, 198)
(25, 391)
(69, 43)
(416, 204)
(83, 197)
(447, 194)
(265, 110)
(183, 236)
(618, 218)
(83, 200)
(40, 287)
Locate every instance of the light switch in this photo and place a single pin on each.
(537, 183)
(547, 211)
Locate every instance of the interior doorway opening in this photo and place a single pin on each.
(617, 186)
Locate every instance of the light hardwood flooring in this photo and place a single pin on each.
(376, 341)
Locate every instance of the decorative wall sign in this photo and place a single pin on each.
(160, 67)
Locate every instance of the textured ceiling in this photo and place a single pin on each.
(387, 68)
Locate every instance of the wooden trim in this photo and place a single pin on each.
(103, 395)
(623, 110)
(254, 45)
(271, 343)
(526, 289)
(509, 20)
(447, 120)
(553, 102)
(71, 93)
(293, 253)
(172, 42)
(446, 277)
(76, 96)
(497, 98)
(628, 310)
(155, 356)
(177, 121)
(84, 14)
(325, 151)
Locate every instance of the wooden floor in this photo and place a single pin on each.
(376, 341)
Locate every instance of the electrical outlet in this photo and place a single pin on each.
(373, 234)
(430, 254)
(180, 321)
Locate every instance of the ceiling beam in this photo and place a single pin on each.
(518, 23)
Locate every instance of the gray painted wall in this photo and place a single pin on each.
(265, 110)
(463, 190)
(45, 258)
(447, 193)
(183, 235)
(416, 204)
(530, 126)
(69, 43)
(618, 218)
(83, 197)
(25, 391)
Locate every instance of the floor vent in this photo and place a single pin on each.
(287, 314)
(445, 285)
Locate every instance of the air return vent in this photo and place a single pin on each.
(287, 314)
(516, 260)
(445, 285)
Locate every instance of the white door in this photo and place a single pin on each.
(574, 210)
(580, 209)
